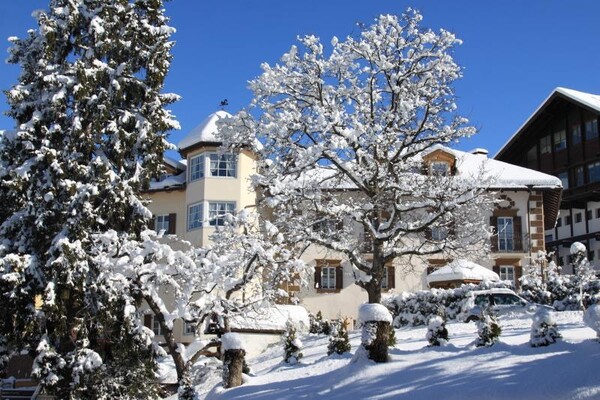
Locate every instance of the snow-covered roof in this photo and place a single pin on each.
(460, 270)
(170, 182)
(177, 164)
(271, 319)
(587, 99)
(205, 132)
(504, 175)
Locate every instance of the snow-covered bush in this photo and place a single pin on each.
(488, 329)
(591, 317)
(318, 325)
(292, 346)
(417, 308)
(338, 340)
(544, 330)
(437, 334)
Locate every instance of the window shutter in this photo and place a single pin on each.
(317, 277)
(148, 321)
(172, 224)
(518, 275)
(518, 233)
(391, 284)
(339, 278)
(496, 269)
(494, 238)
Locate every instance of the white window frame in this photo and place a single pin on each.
(197, 222)
(217, 211)
(439, 233)
(161, 222)
(189, 328)
(506, 234)
(197, 167)
(328, 278)
(222, 165)
(507, 273)
(156, 328)
(439, 168)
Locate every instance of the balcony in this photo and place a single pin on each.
(507, 243)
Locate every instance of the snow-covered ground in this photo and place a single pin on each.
(510, 369)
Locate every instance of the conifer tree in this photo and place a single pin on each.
(90, 131)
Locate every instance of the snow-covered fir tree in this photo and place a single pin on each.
(292, 346)
(341, 138)
(437, 334)
(90, 131)
(488, 329)
(338, 340)
(544, 330)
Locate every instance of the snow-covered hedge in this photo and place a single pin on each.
(417, 308)
(560, 291)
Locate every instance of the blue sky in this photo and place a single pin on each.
(515, 52)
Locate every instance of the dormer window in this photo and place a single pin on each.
(439, 168)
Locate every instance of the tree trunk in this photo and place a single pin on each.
(233, 366)
(373, 287)
(377, 346)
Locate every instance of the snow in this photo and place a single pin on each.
(462, 270)
(510, 369)
(171, 181)
(205, 132)
(577, 247)
(232, 341)
(272, 318)
(591, 318)
(373, 312)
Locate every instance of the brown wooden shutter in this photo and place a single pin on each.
(518, 233)
(494, 238)
(172, 224)
(496, 269)
(317, 277)
(391, 283)
(518, 275)
(339, 278)
(148, 321)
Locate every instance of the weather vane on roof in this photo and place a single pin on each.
(223, 104)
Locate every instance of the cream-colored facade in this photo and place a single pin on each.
(522, 197)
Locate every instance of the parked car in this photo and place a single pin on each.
(500, 301)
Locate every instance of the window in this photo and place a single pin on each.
(564, 179)
(161, 223)
(591, 128)
(217, 211)
(505, 234)
(532, 157)
(568, 220)
(577, 218)
(588, 214)
(439, 168)
(156, 326)
(560, 261)
(189, 328)
(196, 168)
(223, 165)
(507, 273)
(384, 279)
(328, 277)
(591, 254)
(579, 176)
(594, 172)
(558, 222)
(439, 233)
(575, 134)
(195, 216)
(545, 145)
(597, 212)
(549, 237)
(560, 140)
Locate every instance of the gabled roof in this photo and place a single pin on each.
(587, 100)
(203, 133)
